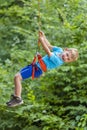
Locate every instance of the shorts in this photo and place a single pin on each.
(26, 72)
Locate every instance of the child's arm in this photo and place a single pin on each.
(44, 44)
(46, 41)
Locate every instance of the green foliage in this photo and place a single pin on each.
(57, 100)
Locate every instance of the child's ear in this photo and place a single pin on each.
(65, 49)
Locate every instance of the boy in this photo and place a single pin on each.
(55, 57)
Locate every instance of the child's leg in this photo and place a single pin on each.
(18, 86)
(16, 98)
(24, 73)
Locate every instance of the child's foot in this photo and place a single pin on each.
(15, 101)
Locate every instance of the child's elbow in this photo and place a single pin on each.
(50, 47)
(49, 54)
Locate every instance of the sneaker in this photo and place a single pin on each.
(15, 101)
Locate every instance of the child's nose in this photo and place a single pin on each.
(66, 57)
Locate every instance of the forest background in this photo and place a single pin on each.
(57, 100)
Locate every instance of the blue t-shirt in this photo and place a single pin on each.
(54, 60)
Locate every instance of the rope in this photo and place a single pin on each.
(39, 16)
(39, 26)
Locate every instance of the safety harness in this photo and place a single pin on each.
(41, 62)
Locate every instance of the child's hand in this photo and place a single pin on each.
(41, 34)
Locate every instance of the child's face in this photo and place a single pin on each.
(67, 56)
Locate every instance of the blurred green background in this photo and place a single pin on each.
(57, 100)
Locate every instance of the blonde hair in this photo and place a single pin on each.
(74, 52)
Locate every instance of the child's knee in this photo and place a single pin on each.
(18, 77)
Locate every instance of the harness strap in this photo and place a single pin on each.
(41, 62)
(33, 67)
